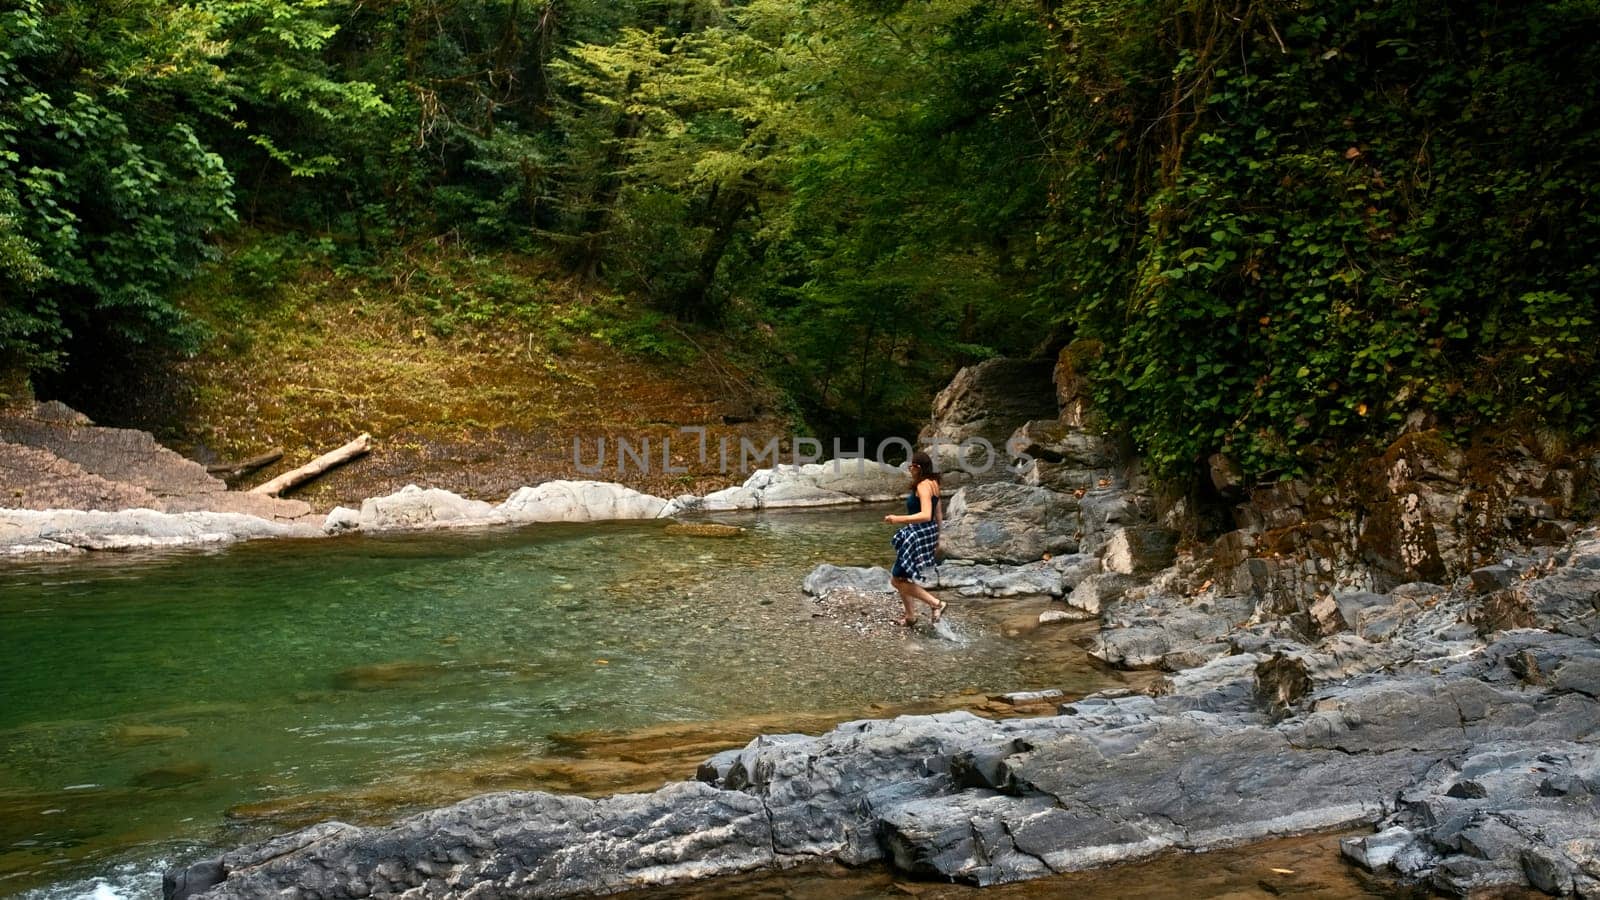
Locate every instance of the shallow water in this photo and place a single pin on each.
(153, 706)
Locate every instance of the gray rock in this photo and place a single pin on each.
(1105, 511)
(990, 400)
(1225, 475)
(1074, 568)
(1169, 632)
(1019, 698)
(1095, 591)
(1140, 551)
(120, 455)
(1015, 581)
(827, 578)
(1062, 616)
(133, 529)
(1487, 579)
(1009, 523)
(1503, 816)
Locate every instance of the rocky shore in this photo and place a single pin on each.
(1472, 750)
(68, 486)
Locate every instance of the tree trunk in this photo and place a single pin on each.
(244, 467)
(316, 467)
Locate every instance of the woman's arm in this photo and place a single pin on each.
(925, 514)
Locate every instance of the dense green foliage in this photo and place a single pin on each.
(1296, 225)
(1291, 226)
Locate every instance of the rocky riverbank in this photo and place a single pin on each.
(1472, 749)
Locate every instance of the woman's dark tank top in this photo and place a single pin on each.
(914, 506)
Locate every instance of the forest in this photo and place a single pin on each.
(1272, 229)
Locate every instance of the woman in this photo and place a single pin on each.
(916, 543)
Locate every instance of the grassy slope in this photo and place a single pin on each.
(472, 373)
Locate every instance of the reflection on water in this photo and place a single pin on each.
(144, 697)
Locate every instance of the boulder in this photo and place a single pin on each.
(989, 400)
(1052, 441)
(1009, 523)
(1105, 510)
(569, 501)
(413, 507)
(1140, 551)
(341, 519)
(1095, 591)
(1169, 632)
(1074, 568)
(827, 578)
(832, 483)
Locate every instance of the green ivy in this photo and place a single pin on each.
(1295, 226)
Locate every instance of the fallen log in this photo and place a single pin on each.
(245, 467)
(316, 467)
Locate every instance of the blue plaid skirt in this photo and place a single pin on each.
(914, 549)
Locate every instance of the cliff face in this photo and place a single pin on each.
(1423, 510)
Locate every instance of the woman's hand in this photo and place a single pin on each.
(890, 519)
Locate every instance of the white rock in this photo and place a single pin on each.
(801, 493)
(414, 507)
(29, 531)
(863, 479)
(340, 520)
(730, 499)
(579, 501)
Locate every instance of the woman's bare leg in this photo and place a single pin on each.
(934, 603)
(903, 587)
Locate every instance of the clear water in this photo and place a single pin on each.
(144, 697)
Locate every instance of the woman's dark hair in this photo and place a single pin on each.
(925, 470)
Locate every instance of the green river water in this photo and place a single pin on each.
(146, 699)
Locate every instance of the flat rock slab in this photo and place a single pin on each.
(33, 478)
(133, 529)
(120, 455)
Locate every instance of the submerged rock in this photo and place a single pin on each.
(1041, 578)
(703, 529)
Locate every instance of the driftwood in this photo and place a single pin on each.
(246, 466)
(316, 467)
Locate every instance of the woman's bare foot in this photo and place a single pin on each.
(938, 611)
(907, 621)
